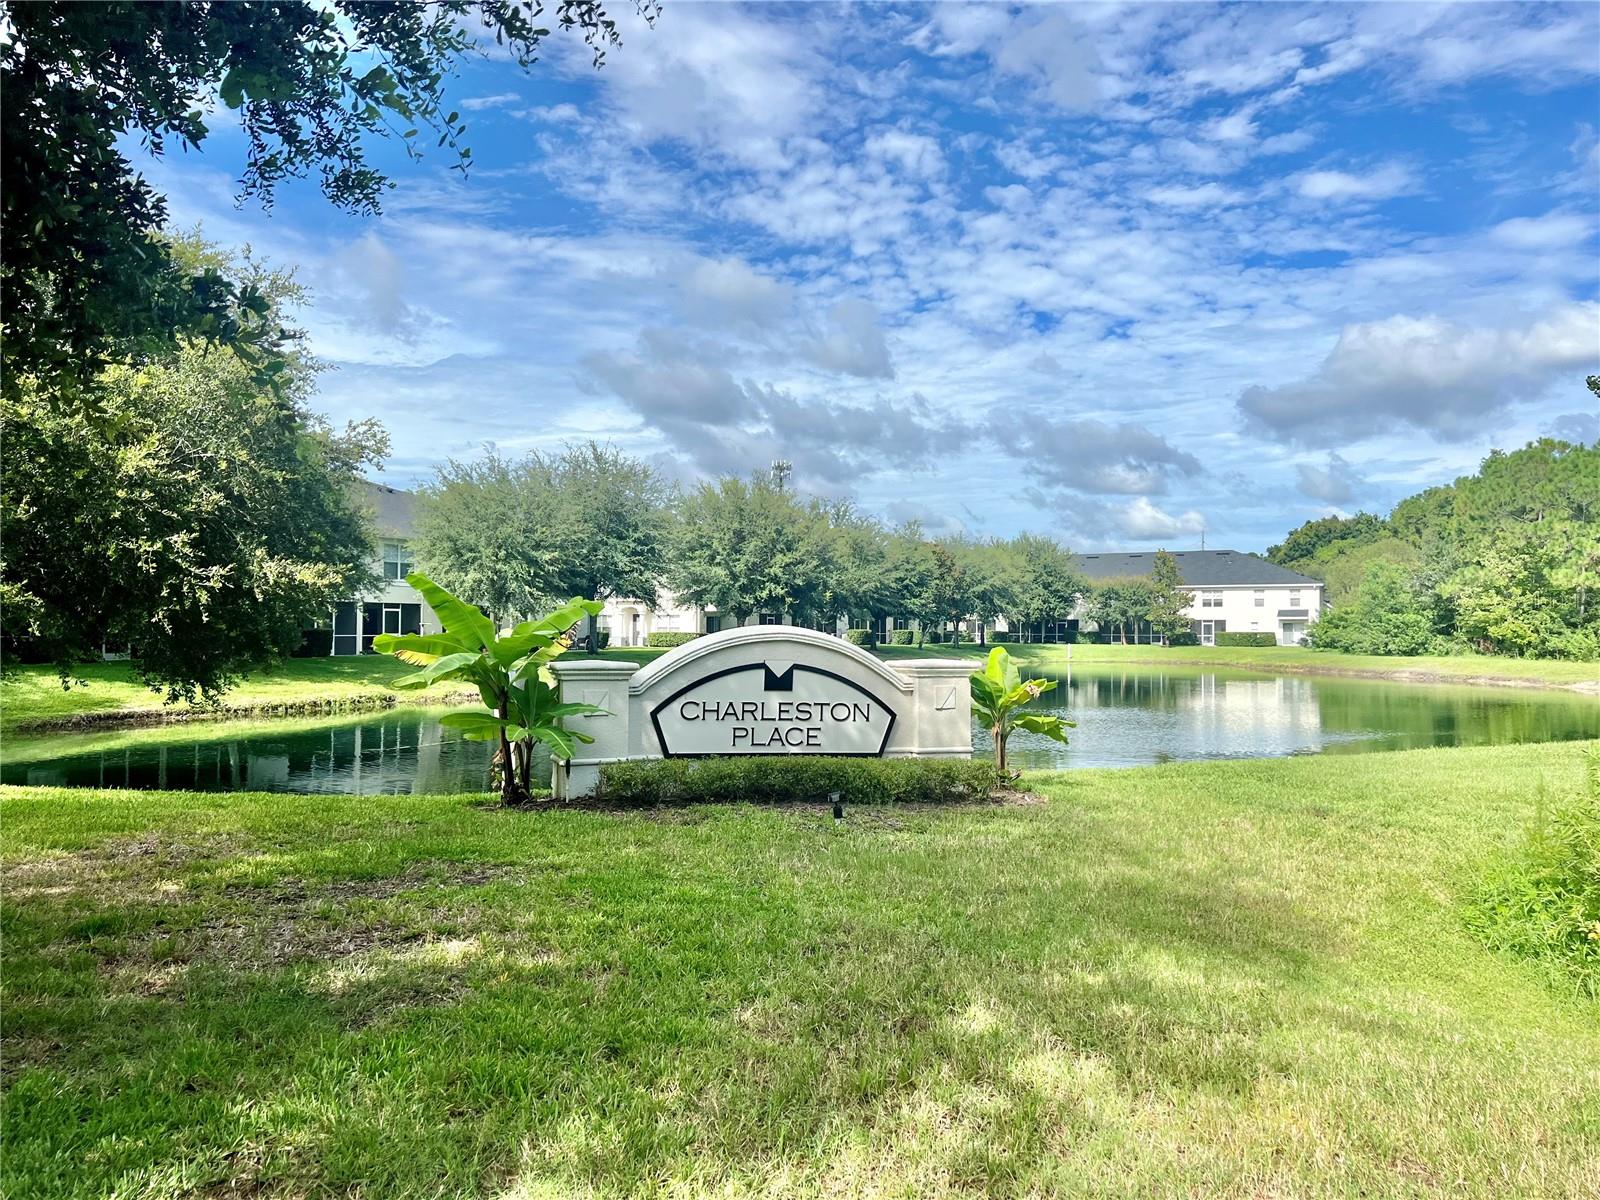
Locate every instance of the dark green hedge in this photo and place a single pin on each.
(664, 638)
(858, 637)
(932, 637)
(1246, 639)
(1002, 637)
(1184, 639)
(314, 643)
(784, 779)
(902, 637)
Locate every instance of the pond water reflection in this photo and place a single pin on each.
(1136, 717)
(403, 750)
(1125, 718)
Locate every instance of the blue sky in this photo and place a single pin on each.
(1117, 274)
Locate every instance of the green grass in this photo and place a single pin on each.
(1233, 980)
(1446, 668)
(32, 694)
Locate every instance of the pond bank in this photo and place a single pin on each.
(135, 718)
(1467, 670)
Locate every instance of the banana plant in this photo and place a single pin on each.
(999, 691)
(511, 669)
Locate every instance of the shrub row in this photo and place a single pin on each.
(785, 779)
(902, 637)
(665, 638)
(1246, 639)
(1187, 638)
(1002, 636)
(859, 637)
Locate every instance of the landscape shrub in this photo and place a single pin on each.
(932, 637)
(1580, 645)
(859, 637)
(668, 638)
(1543, 902)
(901, 637)
(1226, 638)
(1186, 638)
(1002, 637)
(786, 779)
(1388, 614)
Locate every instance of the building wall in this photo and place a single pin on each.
(1242, 613)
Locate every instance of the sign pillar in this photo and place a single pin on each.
(942, 702)
(604, 684)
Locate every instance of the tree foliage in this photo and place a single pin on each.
(1503, 561)
(1316, 542)
(86, 277)
(1045, 582)
(197, 519)
(513, 535)
(1121, 604)
(1169, 599)
(747, 546)
(1387, 615)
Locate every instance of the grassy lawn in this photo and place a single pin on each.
(1239, 979)
(1453, 668)
(30, 694)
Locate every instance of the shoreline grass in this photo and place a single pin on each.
(1463, 668)
(1221, 979)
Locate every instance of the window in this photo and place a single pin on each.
(1294, 599)
(1210, 599)
(1255, 624)
(1261, 598)
(396, 560)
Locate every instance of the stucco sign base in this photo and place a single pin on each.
(772, 689)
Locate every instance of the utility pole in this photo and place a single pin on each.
(782, 468)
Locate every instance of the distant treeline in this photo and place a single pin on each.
(1506, 561)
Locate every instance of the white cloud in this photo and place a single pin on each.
(1093, 456)
(1386, 181)
(499, 100)
(1142, 521)
(1428, 373)
(851, 341)
(916, 154)
(1205, 195)
(1335, 482)
(1553, 231)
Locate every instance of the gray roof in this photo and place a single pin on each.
(391, 509)
(1198, 568)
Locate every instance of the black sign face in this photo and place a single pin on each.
(772, 708)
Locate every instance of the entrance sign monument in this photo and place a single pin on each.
(769, 689)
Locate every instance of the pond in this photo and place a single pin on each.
(1125, 717)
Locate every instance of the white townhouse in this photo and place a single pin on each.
(630, 621)
(1233, 592)
(394, 606)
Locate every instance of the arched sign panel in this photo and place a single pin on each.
(773, 708)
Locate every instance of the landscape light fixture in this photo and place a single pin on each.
(838, 807)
